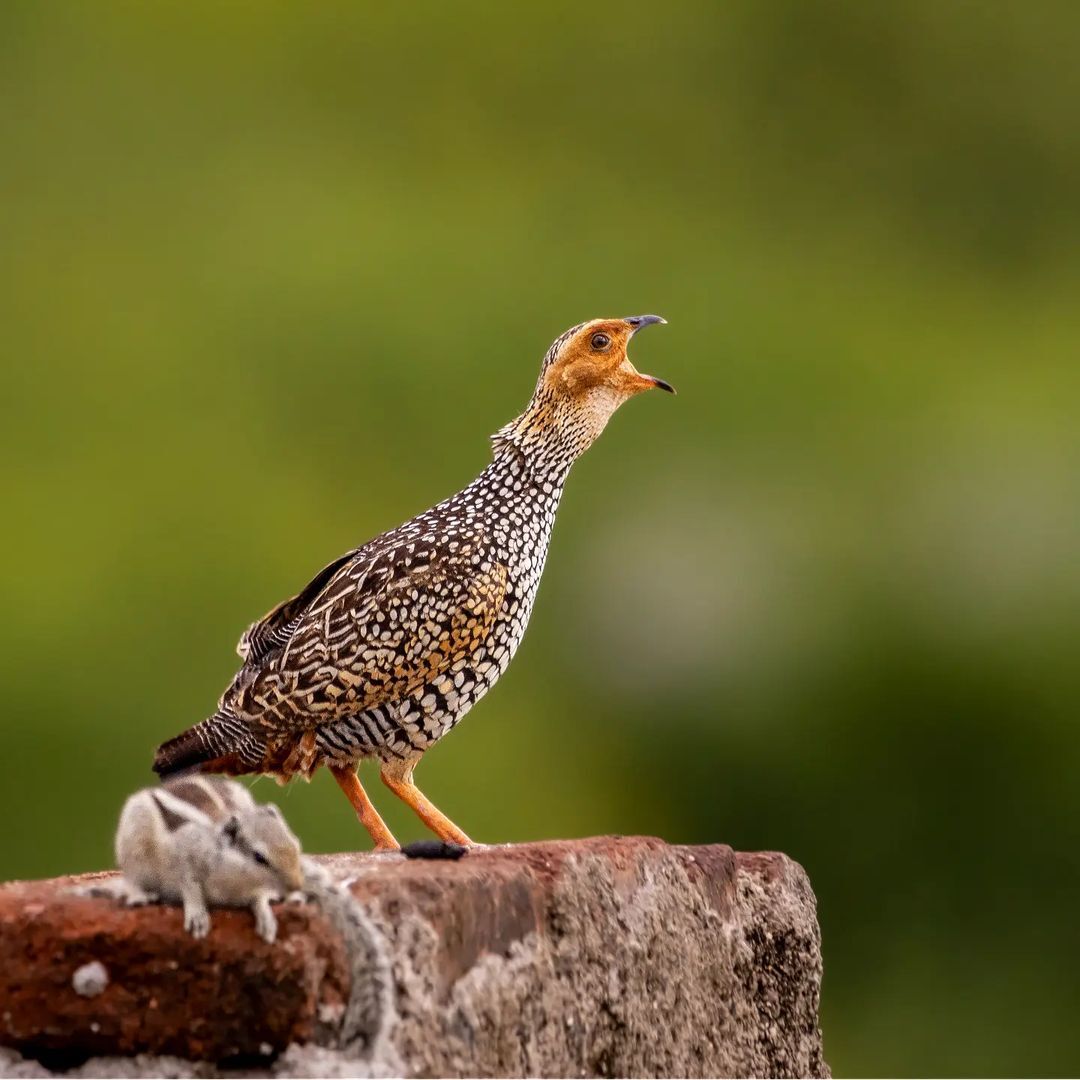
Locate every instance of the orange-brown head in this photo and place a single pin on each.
(592, 358)
(586, 376)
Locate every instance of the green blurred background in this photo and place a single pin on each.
(270, 274)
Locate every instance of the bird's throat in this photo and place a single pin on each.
(551, 434)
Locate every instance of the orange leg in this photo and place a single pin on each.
(398, 778)
(349, 782)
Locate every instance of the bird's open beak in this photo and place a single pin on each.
(648, 382)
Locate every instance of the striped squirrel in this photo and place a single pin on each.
(201, 841)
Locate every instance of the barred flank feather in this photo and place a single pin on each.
(220, 744)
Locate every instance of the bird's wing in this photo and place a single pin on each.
(378, 629)
(273, 631)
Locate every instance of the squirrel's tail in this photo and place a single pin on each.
(222, 743)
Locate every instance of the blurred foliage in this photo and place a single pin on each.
(271, 272)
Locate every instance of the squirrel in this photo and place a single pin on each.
(202, 841)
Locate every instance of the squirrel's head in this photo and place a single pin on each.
(267, 845)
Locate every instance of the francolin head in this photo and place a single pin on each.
(389, 646)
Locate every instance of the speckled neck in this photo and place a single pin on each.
(551, 434)
(525, 474)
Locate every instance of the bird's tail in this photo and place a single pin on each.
(222, 743)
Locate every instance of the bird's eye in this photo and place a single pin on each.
(600, 342)
(260, 858)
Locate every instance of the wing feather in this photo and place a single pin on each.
(273, 631)
(366, 632)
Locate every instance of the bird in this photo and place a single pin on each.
(390, 645)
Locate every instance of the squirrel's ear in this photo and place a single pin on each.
(231, 829)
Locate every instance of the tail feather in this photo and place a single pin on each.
(222, 743)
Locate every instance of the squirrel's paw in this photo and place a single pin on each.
(197, 923)
(137, 898)
(265, 924)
